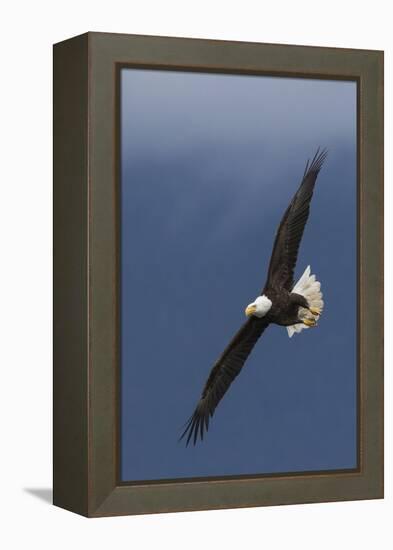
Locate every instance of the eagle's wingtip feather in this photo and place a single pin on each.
(316, 162)
(195, 428)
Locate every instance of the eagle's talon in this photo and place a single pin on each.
(315, 311)
(310, 322)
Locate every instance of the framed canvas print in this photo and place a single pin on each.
(218, 274)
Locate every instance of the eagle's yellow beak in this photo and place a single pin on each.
(250, 310)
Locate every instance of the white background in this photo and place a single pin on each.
(28, 30)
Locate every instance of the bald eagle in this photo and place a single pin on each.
(294, 306)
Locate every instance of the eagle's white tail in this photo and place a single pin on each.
(310, 288)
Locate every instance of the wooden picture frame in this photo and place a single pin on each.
(86, 265)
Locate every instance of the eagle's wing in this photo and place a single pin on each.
(222, 375)
(290, 230)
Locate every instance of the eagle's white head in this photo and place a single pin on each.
(259, 307)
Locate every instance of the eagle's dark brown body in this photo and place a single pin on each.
(284, 308)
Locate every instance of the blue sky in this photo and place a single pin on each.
(209, 163)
